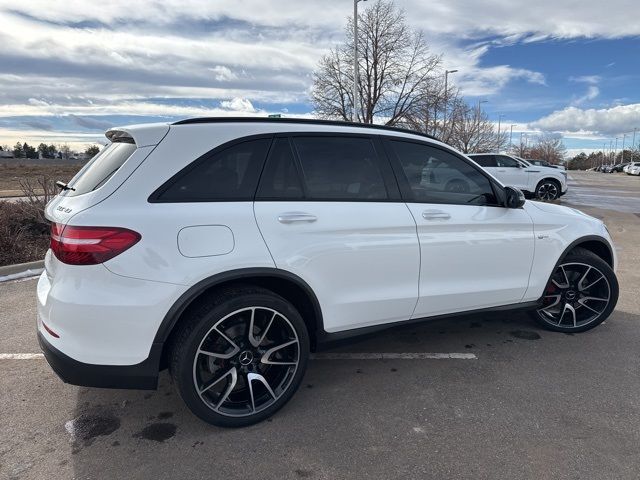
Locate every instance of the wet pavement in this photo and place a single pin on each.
(610, 191)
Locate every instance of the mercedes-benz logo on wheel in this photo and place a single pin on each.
(246, 357)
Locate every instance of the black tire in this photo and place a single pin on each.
(187, 362)
(575, 264)
(548, 190)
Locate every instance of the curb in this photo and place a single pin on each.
(20, 268)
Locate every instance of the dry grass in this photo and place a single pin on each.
(24, 231)
(11, 175)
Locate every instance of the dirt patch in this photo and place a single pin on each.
(11, 175)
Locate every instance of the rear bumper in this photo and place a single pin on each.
(143, 376)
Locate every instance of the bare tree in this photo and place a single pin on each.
(472, 131)
(397, 70)
(548, 147)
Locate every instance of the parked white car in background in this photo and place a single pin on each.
(543, 183)
(633, 169)
(227, 249)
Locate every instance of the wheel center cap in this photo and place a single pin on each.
(570, 295)
(245, 357)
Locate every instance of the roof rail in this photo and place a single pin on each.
(303, 121)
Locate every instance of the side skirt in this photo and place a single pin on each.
(327, 340)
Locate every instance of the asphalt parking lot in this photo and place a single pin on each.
(522, 403)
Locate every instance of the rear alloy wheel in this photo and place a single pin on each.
(242, 359)
(548, 190)
(582, 293)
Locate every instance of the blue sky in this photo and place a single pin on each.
(69, 70)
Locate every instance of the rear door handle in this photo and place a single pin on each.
(293, 217)
(435, 215)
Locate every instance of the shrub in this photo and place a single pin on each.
(24, 230)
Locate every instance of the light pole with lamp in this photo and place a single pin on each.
(511, 134)
(354, 114)
(500, 117)
(624, 137)
(446, 93)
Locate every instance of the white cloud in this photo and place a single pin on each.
(223, 74)
(606, 121)
(238, 105)
(592, 93)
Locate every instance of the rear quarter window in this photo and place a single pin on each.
(227, 174)
(100, 168)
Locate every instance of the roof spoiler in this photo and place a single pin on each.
(141, 135)
(119, 136)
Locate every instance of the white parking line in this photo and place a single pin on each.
(393, 356)
(20, 356)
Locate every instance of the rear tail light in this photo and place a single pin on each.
(90, 245)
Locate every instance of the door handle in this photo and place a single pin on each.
(293, 217)
(435, 215)
(502, 170)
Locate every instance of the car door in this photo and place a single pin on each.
(511, 173)
(330, 211)
(474, 253)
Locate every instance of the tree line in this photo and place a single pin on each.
(402, 83)
(24, 150)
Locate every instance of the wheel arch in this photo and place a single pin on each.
(544, 179)
(593, 243)
(284, 283)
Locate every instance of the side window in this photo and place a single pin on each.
(280, 178)
(340, 168)
(485, 160)
(437, 176)
(508, 162)
(231, 175)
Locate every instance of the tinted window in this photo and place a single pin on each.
(437, 176)
(340, 168)
(485, 160)
(506, 162)
(280, 177)
(231, 174)
(100, 168)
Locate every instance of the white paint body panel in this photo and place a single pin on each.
(478, 257)
(360, 258)
(368, 263)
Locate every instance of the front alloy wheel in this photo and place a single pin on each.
(581, 294)
(241, 357)
(547, 191)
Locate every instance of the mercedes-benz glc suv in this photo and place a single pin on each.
(227, 249)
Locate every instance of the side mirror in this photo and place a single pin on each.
(514, 197)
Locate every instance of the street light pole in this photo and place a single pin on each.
(500, 143)
(446, 92)
(511, 135)
(624, 137)
(633, 144)
(356, 76)
(615, 152)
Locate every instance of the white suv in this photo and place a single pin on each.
(543, 183)
(227, 249)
